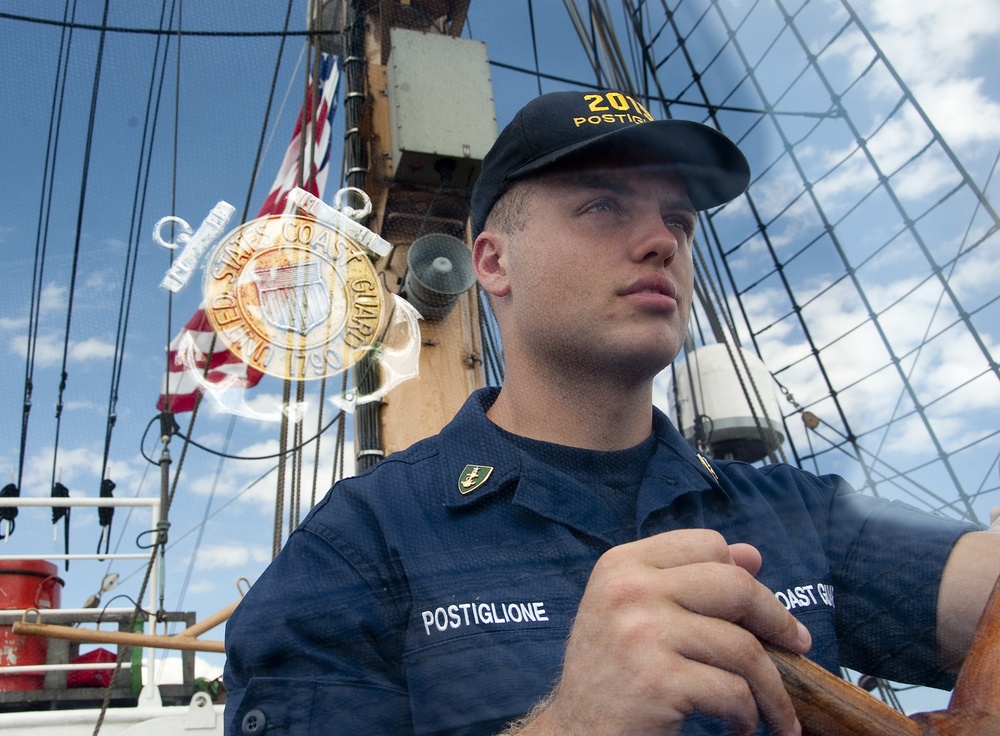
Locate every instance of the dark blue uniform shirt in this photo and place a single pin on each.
(405, 605)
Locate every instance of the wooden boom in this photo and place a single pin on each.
(186, 640)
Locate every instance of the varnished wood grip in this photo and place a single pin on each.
(829, 706)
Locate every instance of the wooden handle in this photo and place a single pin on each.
(975, 703)
(830, 706)
(978, 686)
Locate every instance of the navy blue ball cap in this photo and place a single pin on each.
(556, 126)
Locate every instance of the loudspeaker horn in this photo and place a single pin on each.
(439, 269)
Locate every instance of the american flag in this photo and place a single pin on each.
(195, 356)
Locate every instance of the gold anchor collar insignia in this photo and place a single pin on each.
(473, 476)
(708, 466)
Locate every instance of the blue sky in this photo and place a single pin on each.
(946, 54)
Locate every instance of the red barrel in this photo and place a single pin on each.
(26, 584)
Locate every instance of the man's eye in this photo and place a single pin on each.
(602, 205)
(679, 222)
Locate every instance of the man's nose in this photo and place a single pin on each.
(657, 241)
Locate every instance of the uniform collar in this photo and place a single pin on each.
(675, 469)
(473, 440)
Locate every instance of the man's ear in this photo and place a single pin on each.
(489, 259)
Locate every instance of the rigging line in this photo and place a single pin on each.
(608, 49)
(166, 490)
(663, 99)
(633, 13)
(179, 6)
(128, 515)
(952, 266)
(277, 120)
(649, 67)
(534, 42)
(917, 237)
(283, 433)
(715, 121)
(188, 441)
(337, 466)
(279, 494)
(692, 367)
(920, 111)
(902, 356)
(177, 539)
(634, 54)
(816, 204)
(267, 114)
(723, 303)
(906, 475)
(77, 240)
(797, 410)
(574, 16)
(304, 33)
(134, 249)
(492, 357)
(294, 511)
(762, 228)
(41, 233)
(367, 421)
(639, 17)
(311, 101)
(969, 445)
(912, 412)
(609, 38)
(246, 207)
(168, 326)
(319, 423)
(120, 658)
(205, 516)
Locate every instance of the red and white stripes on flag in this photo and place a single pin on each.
(190, 365)
(311, 143)
(189, 361)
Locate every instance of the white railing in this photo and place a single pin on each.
(81, 615)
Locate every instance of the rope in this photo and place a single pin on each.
(41, 239)
(76, 262)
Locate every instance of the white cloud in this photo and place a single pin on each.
(79, 469)
(91, 349)
(13, 323)
(49, 349)
(200, 586)
(53, 298)
(932, 46)
(169, 669)
(213, 556)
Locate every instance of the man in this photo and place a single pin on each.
(435, 593)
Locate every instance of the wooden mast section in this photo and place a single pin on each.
(409, 203)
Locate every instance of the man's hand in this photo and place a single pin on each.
(995, 519)
(668, 626)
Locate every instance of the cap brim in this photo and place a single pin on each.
(713, 169)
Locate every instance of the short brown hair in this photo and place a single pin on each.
(509, 213)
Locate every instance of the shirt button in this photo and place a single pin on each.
(253, 723)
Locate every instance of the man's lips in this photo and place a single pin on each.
(653, 290)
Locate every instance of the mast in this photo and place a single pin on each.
(414, 194)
